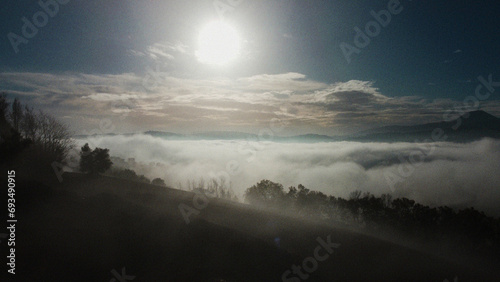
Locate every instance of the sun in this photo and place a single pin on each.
(218, 43)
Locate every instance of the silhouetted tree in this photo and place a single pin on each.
(37, 139)
(86, 158)
(16, 114)
(101, 160)
(11, 142)
(355, 195)
(291, 196)
(28, 125)
(265, 192)
(468, 228)
(4, 111)
(11, 146)
(96, 161)
(158, 181)
(5, 128)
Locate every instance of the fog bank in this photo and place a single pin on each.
(456, 175)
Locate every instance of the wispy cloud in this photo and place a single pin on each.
(162, 52)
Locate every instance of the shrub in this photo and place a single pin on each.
(96, 161)
(158, 181)
(265, 192)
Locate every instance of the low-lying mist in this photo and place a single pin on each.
(435, 174)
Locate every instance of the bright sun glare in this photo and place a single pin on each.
(218, 44)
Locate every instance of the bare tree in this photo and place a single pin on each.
(50, 135)
(28, 124)
(16, 114)
(45, 139)
(4, 125)
(4, 107)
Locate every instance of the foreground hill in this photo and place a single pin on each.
(89, 229)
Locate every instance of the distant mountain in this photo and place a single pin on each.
(224, 135)
(307, 138)
(166, 135)
(81, 136)
(234, 135)
(469, 127)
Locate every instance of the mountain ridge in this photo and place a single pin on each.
(470, 126)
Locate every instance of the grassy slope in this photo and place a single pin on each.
(87, 227)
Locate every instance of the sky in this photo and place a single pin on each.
(115, 66)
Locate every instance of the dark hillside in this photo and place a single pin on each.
(85, 228)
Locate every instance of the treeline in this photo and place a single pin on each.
(31, 140)
(129, 174)
(468, 228)
(98, 161)
(216, 188)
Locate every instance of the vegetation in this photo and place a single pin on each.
(217, 188)
(129, 174)
(159, 182)
(96, 161)
(467, 227)
(265, 192)
(31, 140)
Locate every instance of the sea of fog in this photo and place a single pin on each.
(457, 175)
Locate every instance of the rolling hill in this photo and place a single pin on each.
(90, 229)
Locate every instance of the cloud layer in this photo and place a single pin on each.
(457, 175)
(164, 101)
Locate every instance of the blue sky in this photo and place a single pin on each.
(132, 65)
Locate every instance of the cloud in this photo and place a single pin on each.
(161, 50)
(110, 97)
(164, 101)
(291, 81)
(457, 175)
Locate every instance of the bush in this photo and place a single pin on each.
(96, 161)
(158, 181)
(265, 193)
(129, 175)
